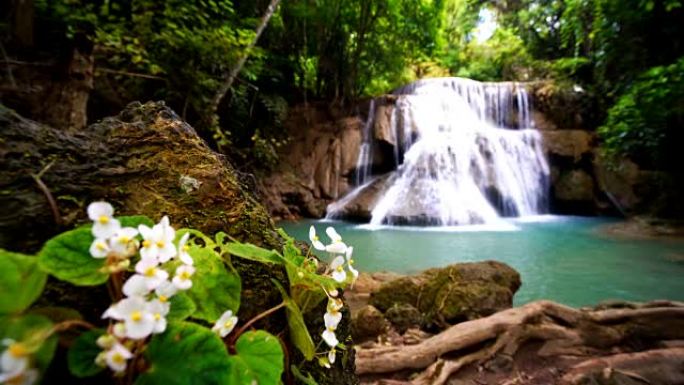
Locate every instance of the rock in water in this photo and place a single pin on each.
(452, 294)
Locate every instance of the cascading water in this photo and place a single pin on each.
(466, 153)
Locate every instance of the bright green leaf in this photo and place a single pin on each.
(182, 307)
(68, 258)
(186, 354)
(259, 358)
(135, 221)
(253, 253)
(299, 334)
(22, 282)
(215, 288)
(81, 355)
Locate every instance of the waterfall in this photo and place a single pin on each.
(465, 153)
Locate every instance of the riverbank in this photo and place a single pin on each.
(644, 228)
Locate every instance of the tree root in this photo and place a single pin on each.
(561, 330)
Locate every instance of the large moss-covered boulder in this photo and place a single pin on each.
(144, 161)
(454, 293)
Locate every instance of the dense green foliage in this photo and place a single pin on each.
(341, 50)
(646, 121)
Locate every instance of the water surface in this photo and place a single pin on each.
(564, 259)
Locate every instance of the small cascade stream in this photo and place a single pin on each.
(465, 152)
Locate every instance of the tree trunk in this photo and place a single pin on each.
(212, 117)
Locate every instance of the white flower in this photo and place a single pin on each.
(158, 241)
(225, 324)
(119, 330)
(136, 285)
(330, 338)
(182, 279)
(27, 377)
(317, 244)
(14, 360)
(331, 356)
(138, 320)
(165, 291)
(332, 319)
(120, 242)
(153, 274)
(159, 311)
(337, 267)
(334, 305)
(116, 358)
(104, 225)
(350, 263)
(99, 248)
(183, 249)
(337, 246)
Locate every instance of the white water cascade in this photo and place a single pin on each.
(465, 152)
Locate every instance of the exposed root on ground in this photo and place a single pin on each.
(624, 339)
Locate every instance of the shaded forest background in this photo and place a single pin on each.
(98, 55)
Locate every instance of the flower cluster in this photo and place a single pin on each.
(341, 253)
(148, 291)
(332, 318)
(15, 364)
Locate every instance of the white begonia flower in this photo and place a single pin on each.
(119, 330)
(157, 241)
(331, 356)
(120, 242)
(165, 291)
(138, 320)
(225, 324)
(330, 338)
(116, 358)
(334, 305)
(183, 249)
(332, 319)
(104, 225)
(337, 246)
(153, 275)
(27, 377)
(337, 267)
(182, 278)
(99, 248)
(14, 360)
(350, 262)
(159, 311)
(315, 241)
(136, 285)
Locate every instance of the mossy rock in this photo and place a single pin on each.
(404, 316)
(368, 323)
(452, 294)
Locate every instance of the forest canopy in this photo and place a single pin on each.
(343, 50)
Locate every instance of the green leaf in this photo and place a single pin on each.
(259, 359)
(299, 333)
(81, 355)
(215, 288)
(68, 258)
(253, 253)
(32, 331)
(306, 380)
(135, 221)
(22, 279)
(186, 353)
(182, 307)
(57, 314)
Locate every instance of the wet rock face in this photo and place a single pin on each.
(451, 294)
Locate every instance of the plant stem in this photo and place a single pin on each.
(249, 323)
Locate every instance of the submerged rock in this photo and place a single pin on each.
(452, 294)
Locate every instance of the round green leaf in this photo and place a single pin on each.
(135, 221)
(20, 280)
(259, 359)
(68, 258)
(182, 307)
(214, 287)
(82, 354)
(186, 354)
